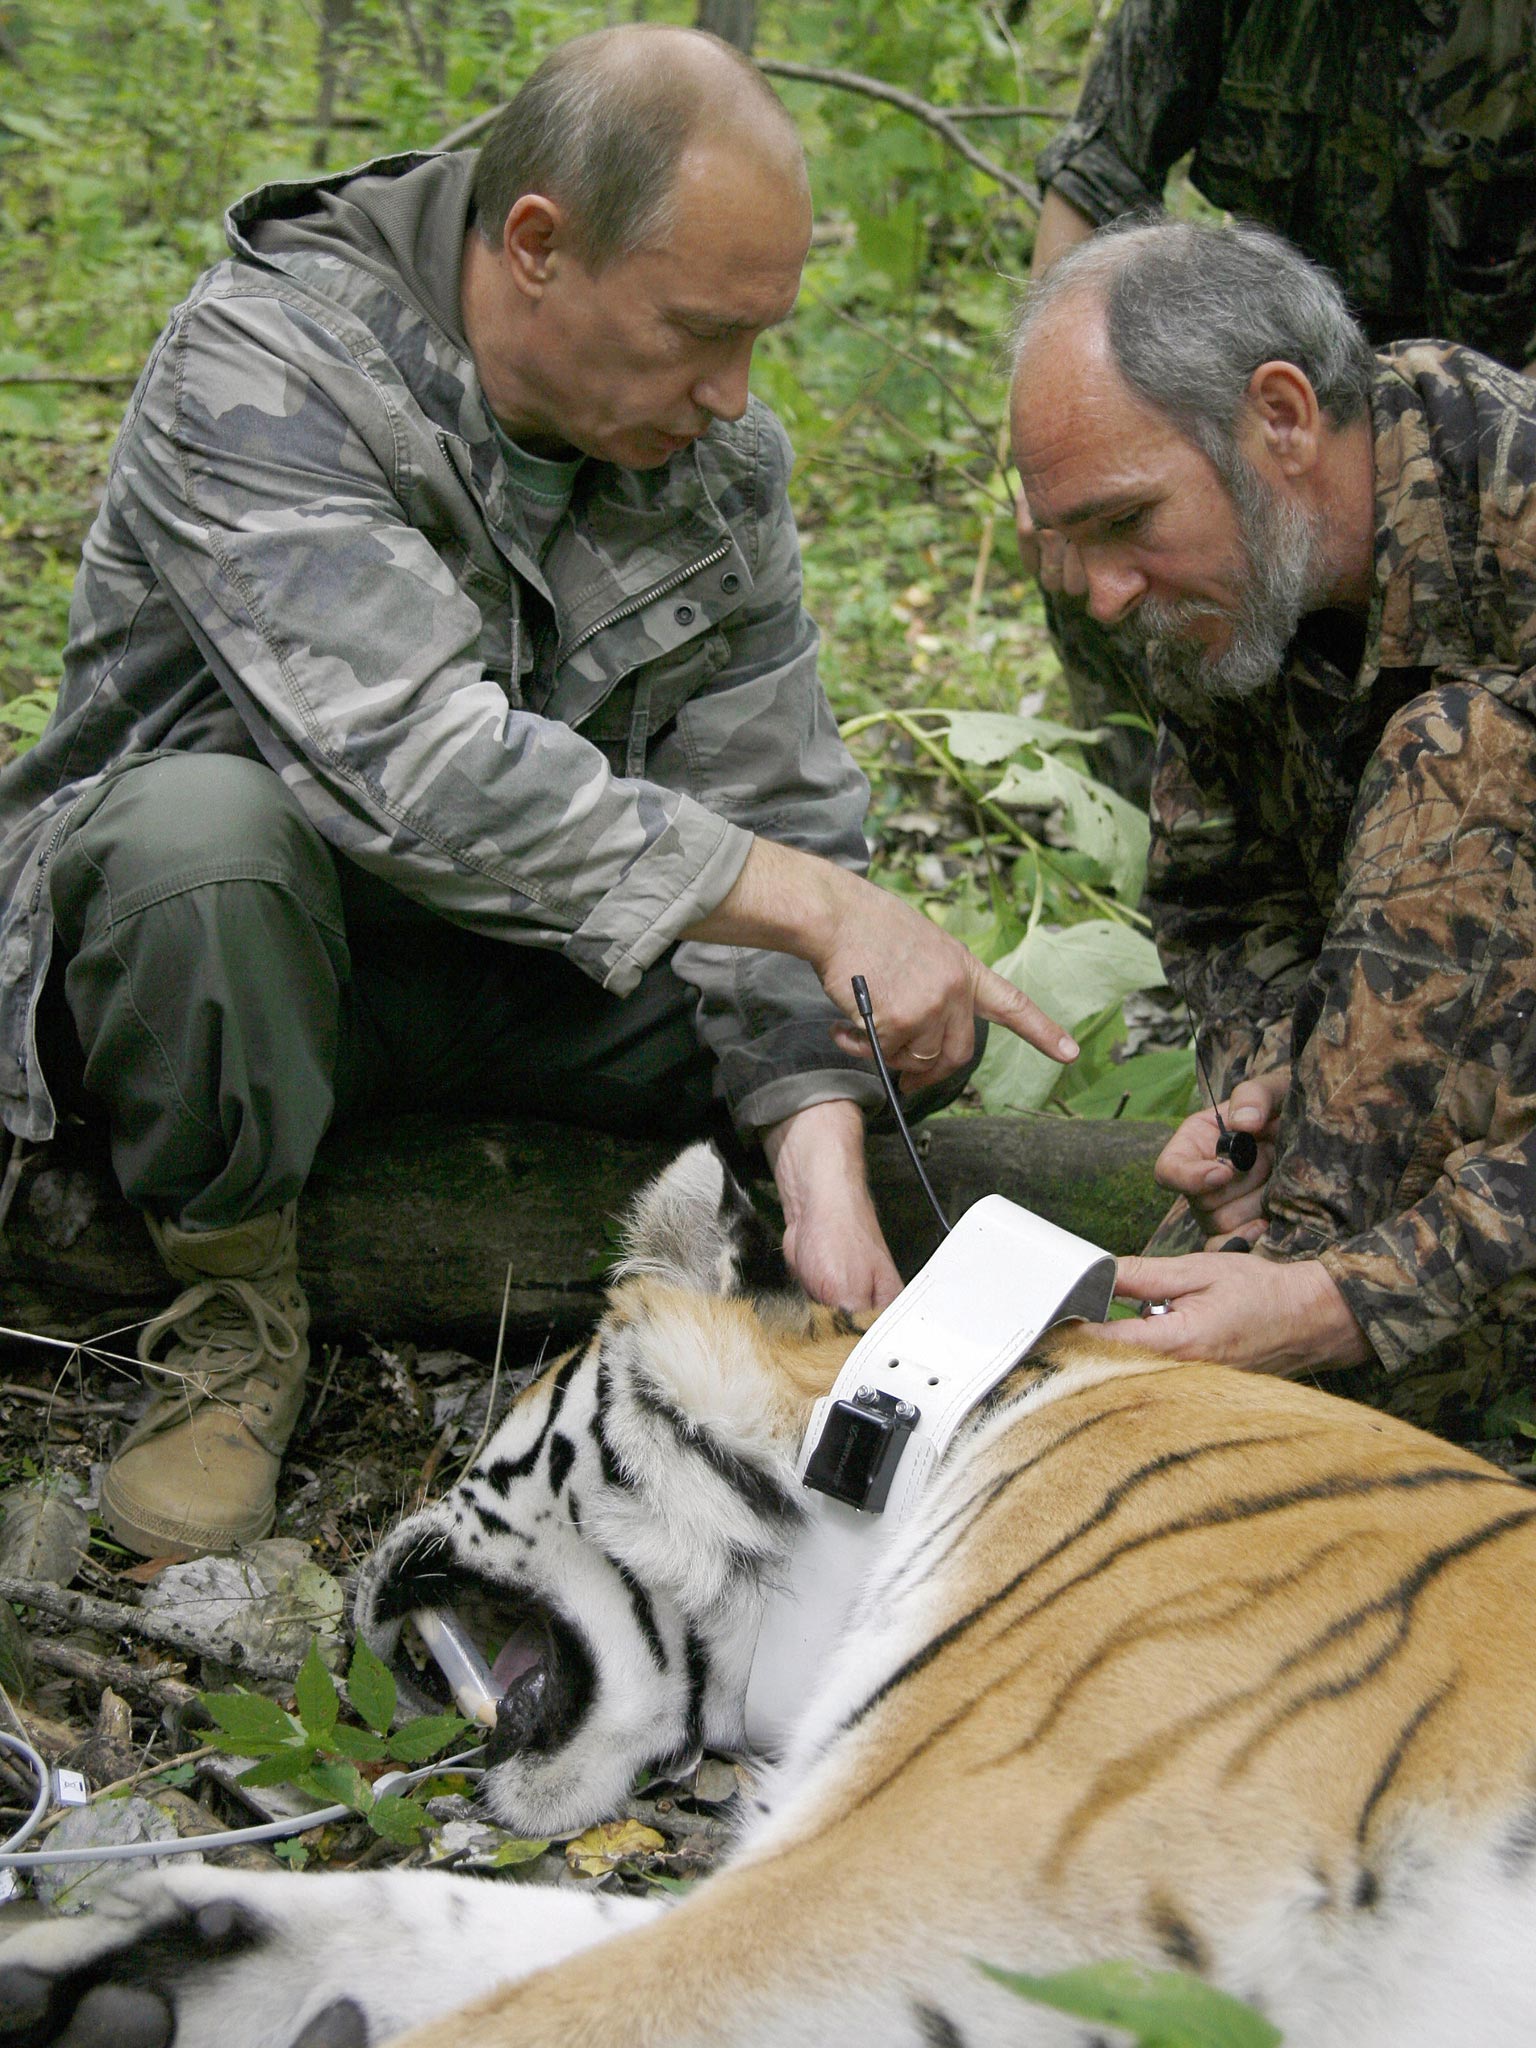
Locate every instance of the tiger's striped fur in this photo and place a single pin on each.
(1175, 1663)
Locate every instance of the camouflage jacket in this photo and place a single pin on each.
(310, 553)
(1257, 812)
(1393, 140)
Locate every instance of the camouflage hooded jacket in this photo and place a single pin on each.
(1262, 809)
(310, 552)
(1393, 140)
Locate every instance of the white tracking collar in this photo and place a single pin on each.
(1000, 1279)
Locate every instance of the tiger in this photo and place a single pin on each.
(1203, 1669)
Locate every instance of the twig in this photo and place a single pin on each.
(936, 118)
(112, 1618)
(57, 1404)
(906, 721)
(155, 1685)
(983, 432)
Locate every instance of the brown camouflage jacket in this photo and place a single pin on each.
(310, 553)
(1392, 140)
(1253, 810)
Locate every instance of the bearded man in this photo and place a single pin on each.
(1329, 557)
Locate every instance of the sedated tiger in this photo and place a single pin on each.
(1175, 1663)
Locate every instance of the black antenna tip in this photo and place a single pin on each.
(1241, 1147)
(861, 998)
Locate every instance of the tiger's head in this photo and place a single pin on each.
(609, 1546)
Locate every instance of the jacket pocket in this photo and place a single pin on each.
(647, 700)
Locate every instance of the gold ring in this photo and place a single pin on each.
(924, 1057)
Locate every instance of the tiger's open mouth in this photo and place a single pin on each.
(498, 1654)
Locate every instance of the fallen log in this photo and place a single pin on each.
(409, 1225)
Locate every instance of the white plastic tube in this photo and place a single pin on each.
(455, 1653)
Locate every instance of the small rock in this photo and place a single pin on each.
(71, 1887)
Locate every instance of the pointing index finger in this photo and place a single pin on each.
(1001, 1003)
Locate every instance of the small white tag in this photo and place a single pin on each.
(10, 1887)
(70, 1789)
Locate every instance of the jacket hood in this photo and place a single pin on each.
(402, 218)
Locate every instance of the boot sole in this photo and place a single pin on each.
(150, 1535)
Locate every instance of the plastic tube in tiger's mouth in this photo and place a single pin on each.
(457, 1656)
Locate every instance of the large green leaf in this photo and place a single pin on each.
(422, 1739)
(1159, 1083)
(1071, 974)
(987, 737)
(251, 1720)
(371, 1688)
(316, 1696)
(1162, 2008)
(1113, 833)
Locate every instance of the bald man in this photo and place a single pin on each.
(441, 724)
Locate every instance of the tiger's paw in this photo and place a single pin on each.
(204, 1958)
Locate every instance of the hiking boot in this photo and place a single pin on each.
(198, 1470)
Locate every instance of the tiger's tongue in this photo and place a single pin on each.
(522, 1652)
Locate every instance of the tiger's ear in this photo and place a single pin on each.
(695, 1227)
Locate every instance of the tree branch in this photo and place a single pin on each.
(937, 118)
(112, 1618)
(941, 119)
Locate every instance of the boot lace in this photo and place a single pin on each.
(226, 1330)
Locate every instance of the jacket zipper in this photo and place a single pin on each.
(632, 605)
(50, 850)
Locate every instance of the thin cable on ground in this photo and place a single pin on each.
(19, 1746)
(230, 1838)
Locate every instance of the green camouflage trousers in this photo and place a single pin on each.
(1407, 1149)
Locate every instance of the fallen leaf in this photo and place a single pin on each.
(43, 1535)
(609, 1844)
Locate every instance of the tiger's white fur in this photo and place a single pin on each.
(1190, 1666)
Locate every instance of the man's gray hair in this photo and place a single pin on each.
(601, 128)
(1191, 312)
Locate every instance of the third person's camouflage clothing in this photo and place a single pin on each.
(1343, 874)
(1392, 140)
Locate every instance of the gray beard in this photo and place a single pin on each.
(1280, 581)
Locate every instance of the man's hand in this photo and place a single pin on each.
(1254, 1313)
(833, 1243)
(1226, 1203)
(927, 989)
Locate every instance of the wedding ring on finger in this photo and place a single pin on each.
(1155, 1308)
(922, 1058)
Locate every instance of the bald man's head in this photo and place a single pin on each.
(602, 126)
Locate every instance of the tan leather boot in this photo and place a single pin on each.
(198, 1471)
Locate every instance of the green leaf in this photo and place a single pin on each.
(293, 1852)
(1159, 1082)
(315, 1692)
(419, 1740)
(338, 1784)
(1163, 2008)
(1072, 975)
(285, 1766)
(357, 1745)
(1113, 833)
(371, 1688)
(987, 737)
(250, 1720)
(398, 1819)
(509, 1854)
(31, 127)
